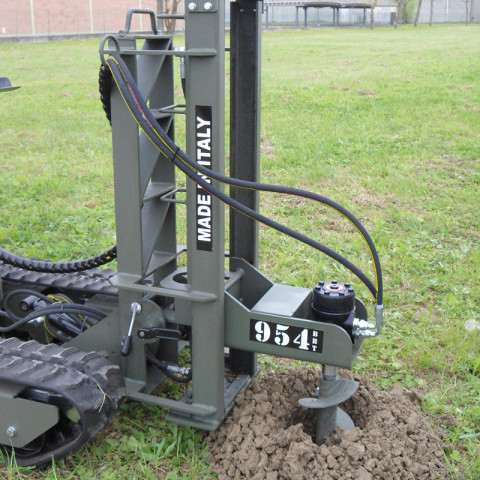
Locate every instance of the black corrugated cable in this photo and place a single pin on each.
(46, 266)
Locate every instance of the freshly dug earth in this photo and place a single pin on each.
(268, 436)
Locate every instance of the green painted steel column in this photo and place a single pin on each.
(205, 127)
(245, 72)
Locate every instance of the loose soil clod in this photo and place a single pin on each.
(268, 436)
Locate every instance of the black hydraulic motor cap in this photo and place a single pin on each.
(333, 302)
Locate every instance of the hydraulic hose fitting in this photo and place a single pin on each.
(379, 317)
(362, 328)
(185, 371)
(182, 63)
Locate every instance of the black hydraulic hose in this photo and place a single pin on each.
(304, 194)
(55, 309)
(273, 224)
(170, 150)
(33, 293)
(23, 291)
(164, 368)
(155, 133)
(65, 320)
(53, 328)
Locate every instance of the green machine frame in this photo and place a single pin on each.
(196, 313)
(231, 310)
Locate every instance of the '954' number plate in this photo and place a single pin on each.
(288, 336)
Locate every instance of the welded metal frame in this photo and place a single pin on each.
(220, 304)
(223, 301)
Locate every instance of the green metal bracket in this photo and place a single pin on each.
(31, 418)
(275, 319)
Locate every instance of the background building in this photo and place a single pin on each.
(37, 17)
(43, 18)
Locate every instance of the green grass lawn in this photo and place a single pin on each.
(385, 122)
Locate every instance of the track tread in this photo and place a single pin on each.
(87, 380)
(91, 281)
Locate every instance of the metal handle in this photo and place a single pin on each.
(127, 342)
(102, 46)
(131, 11)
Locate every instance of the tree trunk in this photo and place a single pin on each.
(372, 15)
(431, 12)
(159, 11)
(466, 12)
(415, 23)
(171, 7)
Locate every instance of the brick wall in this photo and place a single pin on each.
(70, 16)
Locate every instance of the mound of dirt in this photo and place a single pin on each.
(268, 436)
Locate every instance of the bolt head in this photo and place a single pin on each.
(192, 6)
(11, 431)
(208, 6)
(135, 307)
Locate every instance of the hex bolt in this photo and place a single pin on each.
(208, 6)
(11, 431)
(192, 6)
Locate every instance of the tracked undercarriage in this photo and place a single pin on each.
(76, 339)
(58, 399)
(55, 398)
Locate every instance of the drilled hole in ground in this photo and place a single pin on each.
(268, 436)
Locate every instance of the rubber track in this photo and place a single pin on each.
(92, 281)
(87, 380)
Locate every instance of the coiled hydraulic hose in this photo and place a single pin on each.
(146, 121)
